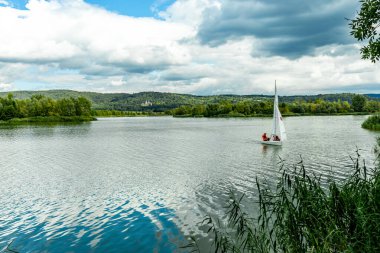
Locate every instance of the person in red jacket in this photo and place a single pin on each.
(264, 137)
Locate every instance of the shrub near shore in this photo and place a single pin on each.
(372, 122)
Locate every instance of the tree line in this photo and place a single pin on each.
(40, 105)
(359, 103)
(116, 113)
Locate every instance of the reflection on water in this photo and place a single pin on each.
(143, 184)
(273, 151)
(265, 149)
(93, 229)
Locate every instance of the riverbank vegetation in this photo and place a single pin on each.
(49, 119)
(44, 103)
(40, 108)
(372, 122)
(359, 104)
(304, 213)
(115, 113)
(159, 102)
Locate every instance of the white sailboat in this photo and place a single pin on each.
(278, 130)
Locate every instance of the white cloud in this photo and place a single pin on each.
(71, 44)
(230, 69)
(190, 12)
(72, 31)
(118, 82)
(5, 86)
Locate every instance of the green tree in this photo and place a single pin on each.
(9, 107)
(372, 106)
(66, 107)
(82, 106)
(365, 27)
(198, 110)
(9, 112)
(225, 107)
(346, 106)
(183, 110)
(358, 102)
(211, 110)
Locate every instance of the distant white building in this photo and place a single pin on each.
(147, 103)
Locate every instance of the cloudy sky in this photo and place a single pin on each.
(187, 46)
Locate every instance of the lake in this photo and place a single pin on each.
(143, 184)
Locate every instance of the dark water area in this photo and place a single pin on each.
(143, 184)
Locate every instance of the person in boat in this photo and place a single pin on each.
(265, 137)
(276, 138)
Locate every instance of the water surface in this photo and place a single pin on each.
(142, 184)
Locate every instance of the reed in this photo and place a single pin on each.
(304, 214)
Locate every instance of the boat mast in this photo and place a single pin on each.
(275, 109)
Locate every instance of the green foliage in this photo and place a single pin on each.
(305, 214)
(366, 27)
(165, 102)
(377, 148)
(358, 102)
(265, 107)
(50, 119)
(115, 113)
(371, 106)
(41, 106)
(372, 123)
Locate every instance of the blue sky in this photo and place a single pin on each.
(20, 4)
(139, 8)
(185, 46)
(133, 8)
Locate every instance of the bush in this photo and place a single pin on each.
(372, 123)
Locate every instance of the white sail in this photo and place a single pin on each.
(281, 126)
(278, 128)
(278, 124)
(275, 125)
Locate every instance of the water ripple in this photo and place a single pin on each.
(143, 184)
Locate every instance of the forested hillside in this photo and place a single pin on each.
(160, 102)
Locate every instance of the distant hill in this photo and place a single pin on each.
(159, 101)
(374, 96)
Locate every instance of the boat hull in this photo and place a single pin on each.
(275, 143)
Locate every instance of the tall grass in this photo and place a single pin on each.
(304, 214)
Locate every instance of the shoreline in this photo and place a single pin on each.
(48, 119)
(80, 119)
(271, 115)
